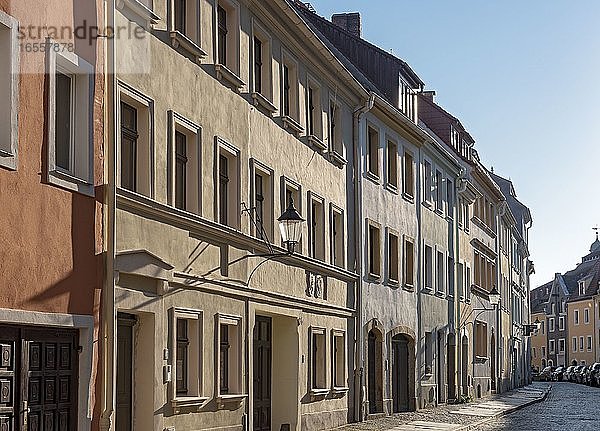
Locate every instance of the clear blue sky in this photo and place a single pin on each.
(523, 77)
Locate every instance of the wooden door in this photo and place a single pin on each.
(124, 402)
(400, 373)
(262, 373)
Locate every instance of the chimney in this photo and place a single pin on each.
(349, 22)
(429, 95)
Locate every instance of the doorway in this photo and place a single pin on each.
(493, 361)
(464, 360)
(262, 339)
(124, 392)
(375, 372)
(440, 367)
(451, 367)
(400, 373)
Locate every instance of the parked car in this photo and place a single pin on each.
(573, 373)
(592, 374)
(546, 374)
(535, 374)
(568, 372)
(580, 374)
(557, 375)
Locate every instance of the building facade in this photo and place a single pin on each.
(51, 173)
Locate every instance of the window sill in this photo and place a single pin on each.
(228, 399)
(408, 287)
(408, 197)
(70, 182)
(8, 160)
(319, 393)
(290, 123)
(391, 188)
(427, 290)
(138, 10)
(261, 101)
(316, 142)
(374, 278)
(187, 402)
(480, 359)
(337, 159)
(393, 283)
(227, 75)
(428, 205)
(440, 293)
(339, 390)
(180, 40)
(371, 176)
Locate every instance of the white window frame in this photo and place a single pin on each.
(9, 142)
(389, 233)
(191, 43)
(408, 194)
(376, 276)
(193, 134)
(195, 359)
(316, 330)
(80, 175)
(407, 239)
(561, 345)
(552, 346)
(589, 343)
(428, 183)
(551, 325)
(428, 288)
(440, 271)
(586, 316)
(234, 193)
(292, 118)
(145, 152)
(336, 142)
(581, 343)
(316, 138)
(319, 236)
(261, 34)
(574, 339)
(238, 394)
(576, 316)
(394, 187)
(561, 323)
(232, 63)
(335, 334)
(374, 176)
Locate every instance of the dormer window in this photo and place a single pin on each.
(582, 287)
(406, 99)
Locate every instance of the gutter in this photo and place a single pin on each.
(108, 314)
(358, 368)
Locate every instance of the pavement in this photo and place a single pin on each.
(458, 417)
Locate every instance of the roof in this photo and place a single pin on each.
(449, 116)
(521, 213)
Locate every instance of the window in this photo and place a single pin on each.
(261, 66)
(460, 279)
(576, 317)
(428, 265)
(409, 175)
(543, 351)
(406, 99)
(314, 112)
(392, 164)
(335, 129)
(289, 93)
(229, 348)
(135, 147)
(9, 91)
(441, 273)
(373, 151)
(561, 345)
(581, 344)
(184, 149)
(450, 276)
(70, 104)
(228, 35)
(186, 355)
(338, 343)
(262, 200)
(429, 340)
(574, 344)
(481, 339)
(551, 324)
(468, 283)
(561, 323)
(427, 188)
(228, 190)
(543, 327)
(534, 352)
(586, 315)
(581, 286)
(439, 191)
(552, 343)
(317, 359)
(316, 227)
(449, 198)
(337, 236)
(589, 343)
(409, 267)
(184, 26)
(393, 257)
(374, 250)
(553, 308)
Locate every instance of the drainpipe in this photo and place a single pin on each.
(498, 358)
(358, 368)
(461, 188)
(458, 186)
(419, 286)
(108, 314)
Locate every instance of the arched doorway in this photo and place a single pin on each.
(543, 363)
(493, 360)
(400, 373)
(451, 367)
(375, 372)
(464, 368)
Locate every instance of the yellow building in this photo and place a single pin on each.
(582, 348)
(539, 342)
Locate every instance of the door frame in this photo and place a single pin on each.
(85, 325)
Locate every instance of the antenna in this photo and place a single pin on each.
(596, 228)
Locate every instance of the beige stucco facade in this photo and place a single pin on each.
(539, 343)
(582, 332)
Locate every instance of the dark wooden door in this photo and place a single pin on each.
(49, 380)
(262, 373)
(400, 373)
(9, 373)
(124, 402)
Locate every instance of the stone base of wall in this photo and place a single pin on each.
(324, 420)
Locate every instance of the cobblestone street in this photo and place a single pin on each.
(569, 406)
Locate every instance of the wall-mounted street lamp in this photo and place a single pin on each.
(290, 226)
(494, 299)
(494, 296)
